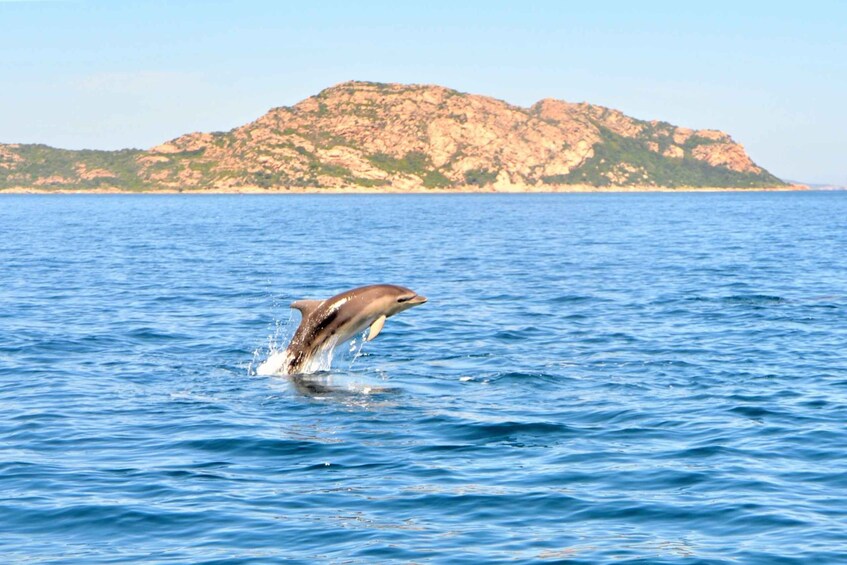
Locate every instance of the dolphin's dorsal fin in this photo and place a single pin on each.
(376, 327)
(306, 307)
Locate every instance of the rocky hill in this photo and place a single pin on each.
(407, 137)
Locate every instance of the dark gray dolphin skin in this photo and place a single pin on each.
(331, 322)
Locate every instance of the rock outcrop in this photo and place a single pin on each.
(412, 137)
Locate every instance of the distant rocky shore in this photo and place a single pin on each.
(374, 137)
(390, 190)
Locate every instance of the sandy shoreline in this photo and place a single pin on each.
(390, 190)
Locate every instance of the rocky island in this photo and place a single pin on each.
(375, 137)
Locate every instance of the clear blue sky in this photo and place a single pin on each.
(111, 74)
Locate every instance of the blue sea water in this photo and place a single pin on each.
(627, 378)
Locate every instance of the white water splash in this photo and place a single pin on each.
(274, 353)
(356, 347)
(272, 359)
(322, 359)
(273, 365)
(277, 359)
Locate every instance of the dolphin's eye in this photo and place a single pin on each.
(404, 298)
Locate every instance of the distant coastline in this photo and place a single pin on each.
(363, 137)
(573, 189)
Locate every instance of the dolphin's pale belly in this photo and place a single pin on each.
(352, 329)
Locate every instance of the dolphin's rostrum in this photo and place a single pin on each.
(331, 322)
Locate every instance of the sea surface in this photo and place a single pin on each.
(596, 378)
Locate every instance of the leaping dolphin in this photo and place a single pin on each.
(328, 323)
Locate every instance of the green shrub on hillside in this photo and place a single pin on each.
(660, 171)
(369, 183)
(480, 177)
(41, 162)
(435, 179)
(412, 163)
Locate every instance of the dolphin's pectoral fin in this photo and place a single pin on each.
(306, 307)
(376, 327)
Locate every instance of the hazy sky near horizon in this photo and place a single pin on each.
(134, 73)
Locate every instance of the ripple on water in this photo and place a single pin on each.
(635, 378)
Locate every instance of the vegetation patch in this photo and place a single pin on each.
(435, 179)
(369, 183)
(696, 140)
(204, 167)
(325, 139)
(267, 179)
(303, 151)
(648, 167)
(556, 179)
(41, 162)
(413, 163)
(480, 177)
(329, 169)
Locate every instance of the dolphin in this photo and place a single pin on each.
(328, 323)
